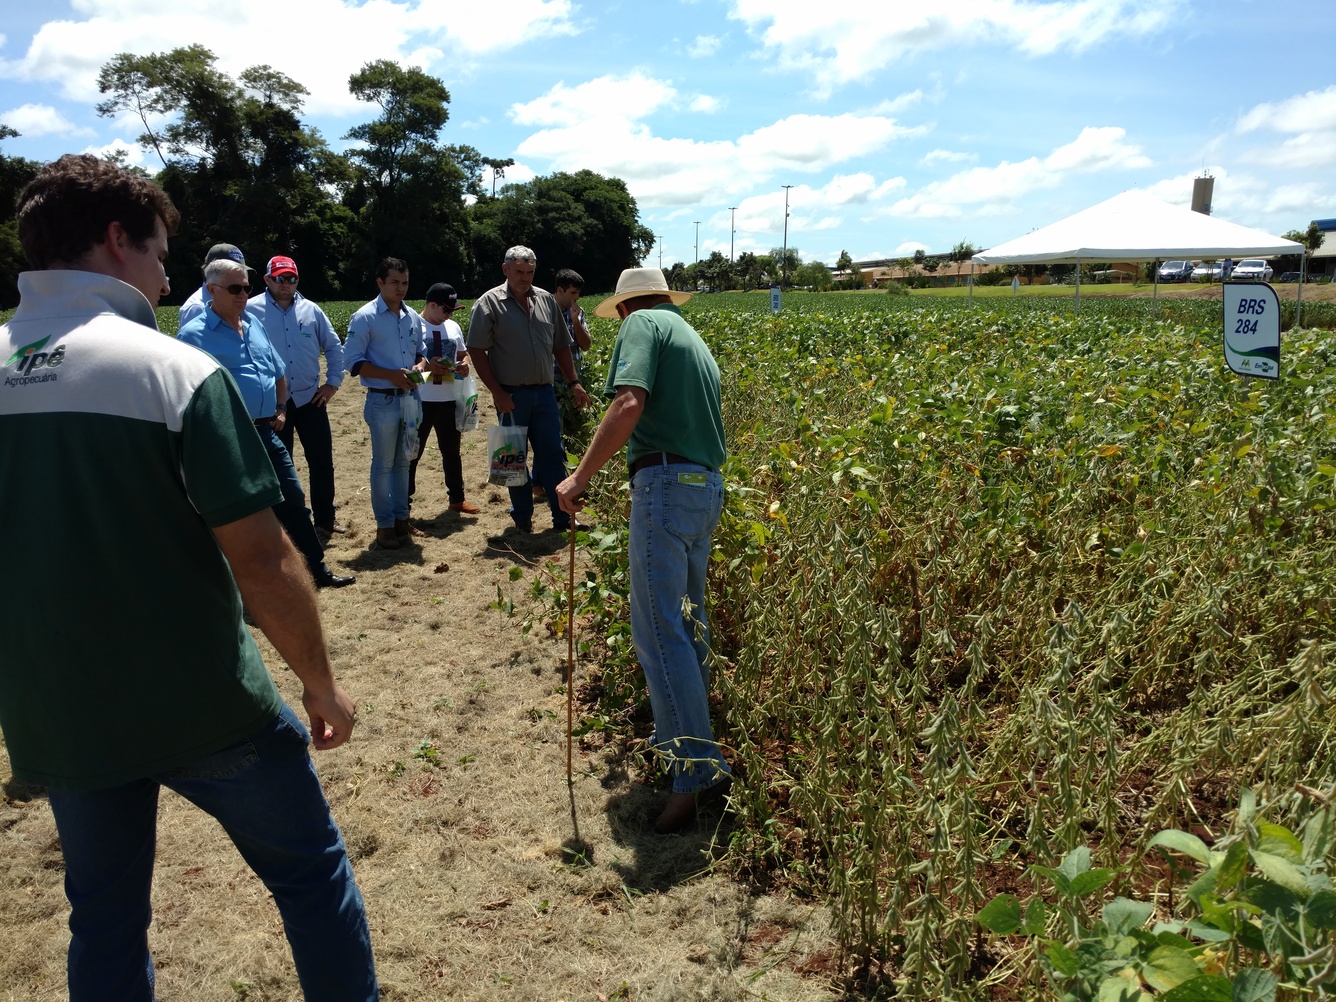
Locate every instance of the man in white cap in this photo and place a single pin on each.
(665, 409)
(201, 297)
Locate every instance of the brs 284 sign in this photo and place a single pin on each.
(1252, 329)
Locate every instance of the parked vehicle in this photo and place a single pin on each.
(1175, 271)
(1207, 272)
(1252, 269)
(1288, 276)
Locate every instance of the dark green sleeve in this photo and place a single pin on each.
(226, 469)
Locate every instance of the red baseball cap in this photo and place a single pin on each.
(281, 266)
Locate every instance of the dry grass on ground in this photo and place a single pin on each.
(458, 843)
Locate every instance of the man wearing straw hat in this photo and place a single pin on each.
(665, 409)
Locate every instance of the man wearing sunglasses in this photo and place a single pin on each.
(237, 340)
(301, 332)
(199, 299)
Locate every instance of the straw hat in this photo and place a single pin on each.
(638, 282)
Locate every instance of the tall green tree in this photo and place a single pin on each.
(15, 173)
(583, 221)
(786, 261)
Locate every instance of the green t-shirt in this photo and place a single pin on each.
(658, 351)
(126, 655)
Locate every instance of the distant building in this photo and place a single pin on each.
(1323, 260)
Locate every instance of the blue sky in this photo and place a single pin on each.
(899, 125)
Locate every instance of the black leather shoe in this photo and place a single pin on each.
(331, 580)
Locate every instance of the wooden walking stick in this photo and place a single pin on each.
(570, 655)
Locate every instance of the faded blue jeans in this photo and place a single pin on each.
(536, 409)
(390, 461)
(265, 794)
(674, 509)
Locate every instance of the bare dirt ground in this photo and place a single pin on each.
(453, 800)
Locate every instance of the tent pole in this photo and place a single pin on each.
(1155, 296)
(1299, 298)
(971, 281)
(1078, 285)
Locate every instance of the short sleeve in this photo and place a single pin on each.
(226, 469)
(635, 355)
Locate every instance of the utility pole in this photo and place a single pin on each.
(784, 264)
(697, 222)
(658, 237)
(732, 229)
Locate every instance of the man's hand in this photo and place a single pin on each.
(505, 403)
(332, 713)
(461, 369)
(436, 368)
(324, 395)
(579, 396)
(278, 420)
(399, 377)
(570, 494)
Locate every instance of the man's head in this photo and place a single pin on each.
(230, 251)
(638, 289)
(84, 213)
(518, 268)
(280, 278)
(568, 285)
(392, 280)
(228, 284)
(442, 300)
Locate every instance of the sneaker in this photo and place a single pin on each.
(465, 507)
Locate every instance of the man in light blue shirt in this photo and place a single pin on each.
(299, 330)
(201, 297)
(384, 345)
(232, 335)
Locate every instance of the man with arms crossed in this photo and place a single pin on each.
(301, 332)
(443, 340)
(232, 335)
(516, 331)
(665, 409)
(155, 681)
(384, 345)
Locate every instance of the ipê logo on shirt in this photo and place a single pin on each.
(28, 359)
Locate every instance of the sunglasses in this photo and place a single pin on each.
(283, 279)
(234, 289)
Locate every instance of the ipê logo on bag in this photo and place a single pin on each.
(22, 367)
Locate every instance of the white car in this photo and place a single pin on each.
(1207, 272)
(1253, 269)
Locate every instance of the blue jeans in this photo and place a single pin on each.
(389, 460)
(292, 512)
(311, 423)
(536, 408)
(674, 509)
(265, 794)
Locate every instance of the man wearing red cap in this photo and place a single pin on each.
(300, 332)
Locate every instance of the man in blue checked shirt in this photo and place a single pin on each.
(232, 335)
(384, 345)
(301, 332)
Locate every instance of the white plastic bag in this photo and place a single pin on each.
(410, 420)
(466, 403)
(508, 445)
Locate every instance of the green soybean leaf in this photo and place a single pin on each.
(1203, 988)
(1034, 918)
(1167, 967)
(1322, 910)
(1187, 844)
(1120, 989)
(1062, 960)
(1279, 841)
(1122, 915)
(1091, 880)
(1075, 862)
(1283, 872)
(1002, 915)
(1232, 869)
(1252, 984)
(1319, 834)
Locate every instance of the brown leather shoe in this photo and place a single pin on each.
(405, 529)
(678, 816)
(465, 507)
(388, 539)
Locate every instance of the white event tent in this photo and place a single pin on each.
(1134, 226)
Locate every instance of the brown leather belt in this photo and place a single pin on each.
(661, 458)
(388, 393)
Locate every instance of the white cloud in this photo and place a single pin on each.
(845, 44)
(134, 154)
(908, 248)
(810, 209)
(992, 190)
(69, 53)
(946, 157)
(705, 103)
(1311, 112)
(32, 120)
(897, 104)
(600, 125)
(705, 46)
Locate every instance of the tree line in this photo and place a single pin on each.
(243, 168)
